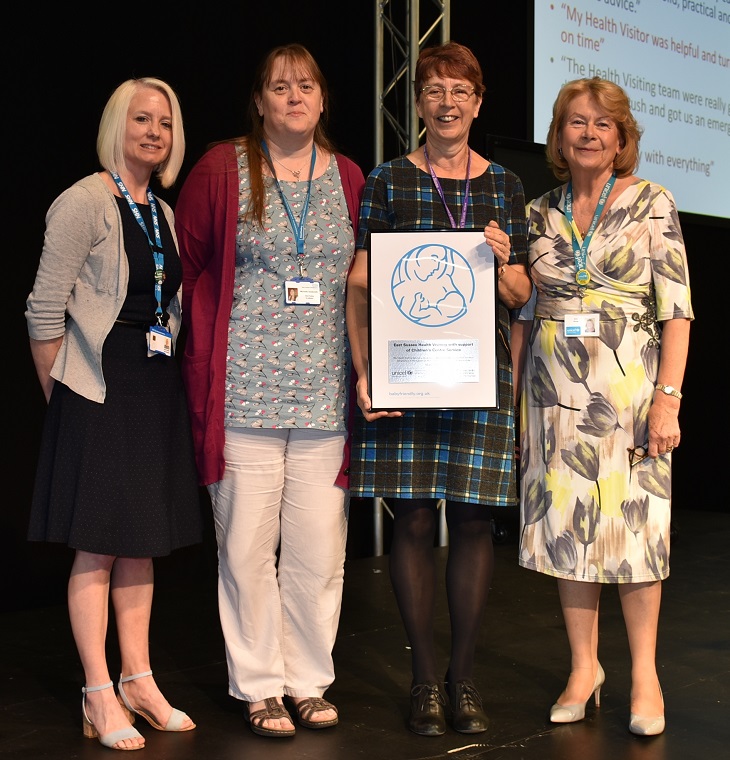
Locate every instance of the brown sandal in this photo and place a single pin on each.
(308, 707)
(272, 710)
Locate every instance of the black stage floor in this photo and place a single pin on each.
(522, 667)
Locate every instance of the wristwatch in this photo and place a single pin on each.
(668, 389)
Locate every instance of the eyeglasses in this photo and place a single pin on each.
(435, 92)
(637, 455)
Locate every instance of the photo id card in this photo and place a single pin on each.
(581, 325)
(159, 341)
(302, 291)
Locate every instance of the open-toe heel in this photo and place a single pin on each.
(108, 740)
(174, 722)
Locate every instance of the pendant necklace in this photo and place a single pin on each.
(295, 172)
(580, 252)
(297, 227)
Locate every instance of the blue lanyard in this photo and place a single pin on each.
(580, 252)
(436, 182)
(155, 247)
(298, 228)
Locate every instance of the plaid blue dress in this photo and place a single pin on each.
(457, 455)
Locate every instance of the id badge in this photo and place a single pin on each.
(581, 325)
(159, 341)
(302, 291)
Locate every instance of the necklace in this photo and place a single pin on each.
(299, 226)
(295, 172)
(583, 229)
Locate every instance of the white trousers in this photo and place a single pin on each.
(281, 528)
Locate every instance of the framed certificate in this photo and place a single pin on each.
(432, 309)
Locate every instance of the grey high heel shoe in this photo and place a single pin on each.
(174, 722)
(574, 713)
(647, 726)
(108, 740)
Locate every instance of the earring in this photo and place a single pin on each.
(560, 152)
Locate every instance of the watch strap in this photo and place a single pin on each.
(669, 390)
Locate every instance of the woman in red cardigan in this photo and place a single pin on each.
(266, 224)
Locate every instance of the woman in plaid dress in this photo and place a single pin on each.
(414, 459)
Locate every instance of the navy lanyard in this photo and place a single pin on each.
(436, 182)
(298, 228)
(155, 247)
(580, 252)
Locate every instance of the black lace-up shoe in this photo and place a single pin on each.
(467, 713)
(427, 716)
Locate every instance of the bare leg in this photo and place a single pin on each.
(132, 588)
(88, 606)
(640, 603)
(579, 601)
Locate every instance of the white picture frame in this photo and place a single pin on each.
(432, 311)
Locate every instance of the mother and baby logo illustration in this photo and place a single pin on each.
(433, 285)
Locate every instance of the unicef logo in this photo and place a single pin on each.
(432, 285)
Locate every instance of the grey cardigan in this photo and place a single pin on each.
(81, 283)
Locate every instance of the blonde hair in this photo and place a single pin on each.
(615, 103)
(113, 126)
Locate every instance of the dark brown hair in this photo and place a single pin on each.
(449, 60)
(302, 62)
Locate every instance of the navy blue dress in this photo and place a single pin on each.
(119, 478)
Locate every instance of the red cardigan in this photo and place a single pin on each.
(206, 219)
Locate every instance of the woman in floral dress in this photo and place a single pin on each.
(599, 408)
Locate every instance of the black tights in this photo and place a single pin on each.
(468, 577)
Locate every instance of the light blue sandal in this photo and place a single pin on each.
(108, 740)
(173, 724)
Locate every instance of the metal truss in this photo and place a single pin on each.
(402, 29)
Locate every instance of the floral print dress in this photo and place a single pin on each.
(590, 510)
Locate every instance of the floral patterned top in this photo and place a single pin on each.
(287, 364)
(590, 510)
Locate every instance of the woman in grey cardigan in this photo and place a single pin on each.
(116, 478)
